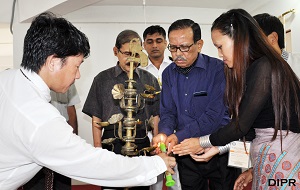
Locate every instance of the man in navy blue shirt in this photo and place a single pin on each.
(192, 105)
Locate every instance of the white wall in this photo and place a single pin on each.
(6, 48)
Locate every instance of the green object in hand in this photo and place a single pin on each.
(162, 147)
(169, 180)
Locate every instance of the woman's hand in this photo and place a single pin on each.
(208, 154)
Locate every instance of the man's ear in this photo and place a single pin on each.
(53, 63)
(115, 50)
(199, 44)
(273, 38)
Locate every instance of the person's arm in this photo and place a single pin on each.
(193, 146)
(53, 145)
(93, 107)
(155, 125)
(168, 114)
(257, 93)
(73, 118)
(97, 131)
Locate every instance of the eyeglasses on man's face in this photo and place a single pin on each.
(128, 54)
(182, 48)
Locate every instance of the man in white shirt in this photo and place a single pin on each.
(65, 104)
(33, 132)
(155, 44)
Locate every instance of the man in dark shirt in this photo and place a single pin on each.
(192, 105)
(100, 104)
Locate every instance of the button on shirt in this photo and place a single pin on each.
(193, 104)
(34, 134)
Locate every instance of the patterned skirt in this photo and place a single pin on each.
(272, 168)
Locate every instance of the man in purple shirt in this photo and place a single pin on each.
(192, 105)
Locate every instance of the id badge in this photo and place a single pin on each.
(238, 157)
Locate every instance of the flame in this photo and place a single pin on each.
(161, 138)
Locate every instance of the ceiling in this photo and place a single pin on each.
(6, 5)
(219, 4)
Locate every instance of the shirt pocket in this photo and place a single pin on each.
(199, 103)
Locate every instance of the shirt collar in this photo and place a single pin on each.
(285, 55)
(166, 61)
(38, 82)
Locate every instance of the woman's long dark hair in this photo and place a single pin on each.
(250, 43)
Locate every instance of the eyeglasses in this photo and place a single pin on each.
(126, 53)
(129, 54)
(182, 48)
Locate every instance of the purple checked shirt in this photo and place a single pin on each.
(193, 104)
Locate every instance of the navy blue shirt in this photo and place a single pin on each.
(193, 104)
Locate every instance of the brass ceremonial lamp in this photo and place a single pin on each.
(131, 102)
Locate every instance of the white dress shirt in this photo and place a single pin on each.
(293, 59)
(157, 72)
(34, 134)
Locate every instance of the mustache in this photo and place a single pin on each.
(179, 58)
